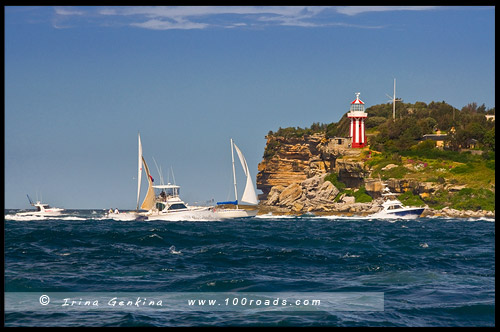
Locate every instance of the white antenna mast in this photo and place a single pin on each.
(173, 177)
(394, 100)
(159, 171)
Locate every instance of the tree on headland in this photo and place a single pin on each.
(465, 127)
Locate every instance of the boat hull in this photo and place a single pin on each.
(127, 216)
(47, 213)
(192, 214)
(412, 213)
(235, 213)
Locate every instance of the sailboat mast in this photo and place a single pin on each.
(234, 173)
(139, 171)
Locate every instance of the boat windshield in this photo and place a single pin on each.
(167, 190)
(177, 206)
(172, 191)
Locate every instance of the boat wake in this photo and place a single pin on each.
(199, 216)
(38, 217)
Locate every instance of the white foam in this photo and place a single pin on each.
(173, 251)
(24, 218)
(270, 215)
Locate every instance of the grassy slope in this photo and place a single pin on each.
(474, 172)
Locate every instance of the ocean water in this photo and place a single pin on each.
(75, 269)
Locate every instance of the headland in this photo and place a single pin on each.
(317, 169)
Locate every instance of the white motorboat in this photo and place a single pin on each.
(42, 209)
(393, 208)
(125, 215)
(166, 204)
(249, 195)
(169, 206)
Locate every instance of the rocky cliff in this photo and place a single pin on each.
(292, 174)
(290, 161)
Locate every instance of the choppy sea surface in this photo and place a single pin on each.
(82, 269)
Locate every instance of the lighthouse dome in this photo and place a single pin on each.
(357, 101)
(357, 105)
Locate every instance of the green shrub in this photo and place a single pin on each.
(408, 198)
(465, 199)
(361, 196)
(333, 178)
(297, 132)
(438, 200)
(374, 121)
(437, 154)
(473, 199)
(271, 149)
(425, 145)
(489, 155)
(462, 169)
(396, 172)
(331, 130)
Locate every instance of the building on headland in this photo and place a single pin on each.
(357, 115)
(440, 139)
(344, 142)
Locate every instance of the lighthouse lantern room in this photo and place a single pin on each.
(357, 115)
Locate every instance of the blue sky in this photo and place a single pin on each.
(81, 82)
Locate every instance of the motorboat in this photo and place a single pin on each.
(163, 202)
(42, 209)
(393, 208)
(169, 206)
(125, 215)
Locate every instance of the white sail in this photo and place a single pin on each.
(249, 195)
(139, 172)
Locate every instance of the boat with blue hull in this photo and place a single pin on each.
(393, 208)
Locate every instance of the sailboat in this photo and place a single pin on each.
(166, 205)
(249, 195)
(132, 215)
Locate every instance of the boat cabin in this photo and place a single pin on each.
(394, 206)
(164, 192)
(167, 198)
(41, 207)
(170, 207)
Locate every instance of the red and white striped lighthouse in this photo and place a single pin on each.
(358, 116)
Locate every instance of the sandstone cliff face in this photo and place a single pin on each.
(293, 160)
(290, 160)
